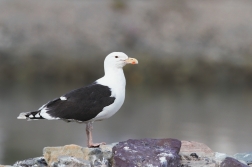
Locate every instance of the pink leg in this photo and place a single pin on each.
(90, 143)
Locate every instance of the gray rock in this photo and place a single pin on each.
(219, 157)
(192, 161)
(137, 153)
(231, 162)
(194, 154)
(66, 161)
(190, 147)
(31, 162)
(245, 157)
(90, 156)
(147, 153)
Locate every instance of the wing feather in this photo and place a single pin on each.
(82, 104)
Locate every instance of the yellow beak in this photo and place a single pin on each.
(131, 61)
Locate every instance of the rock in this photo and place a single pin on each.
(189, 147)
(137, 153)
(220, 156)
(147, 152)
(31, 162)
(82, 155)
(66, 161)
(231, 162)
(51, 154)
(245, 157)
(196, 155)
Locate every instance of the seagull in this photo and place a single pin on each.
(95, 102)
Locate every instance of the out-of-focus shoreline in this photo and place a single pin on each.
(151, 71)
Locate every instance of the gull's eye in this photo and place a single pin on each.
(116, 56)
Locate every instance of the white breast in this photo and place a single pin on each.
(113, 108)
(117, 86)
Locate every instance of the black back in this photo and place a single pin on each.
(82, 104)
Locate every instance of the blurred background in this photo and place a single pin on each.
(193, 81)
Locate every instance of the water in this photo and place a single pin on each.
(218, 117)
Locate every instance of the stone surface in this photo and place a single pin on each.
(194, 154)
(231, 162)
(82, 155)
(137, 153)
(51, 154)
(190, 161)
(147, 152)
(66, 161)
(220, 156)
(245, 157)
(32, 162)
(189, 147)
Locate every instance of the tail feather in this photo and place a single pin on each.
(33, 115)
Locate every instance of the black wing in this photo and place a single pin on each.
(81, 104)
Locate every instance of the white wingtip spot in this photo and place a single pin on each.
(63, 98)
(30, 116)
(37, 115)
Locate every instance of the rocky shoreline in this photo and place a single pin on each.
(139, 153)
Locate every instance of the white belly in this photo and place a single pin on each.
(116, 82)
(113, 108)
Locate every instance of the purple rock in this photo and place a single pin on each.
(147, 152)
(231, 162)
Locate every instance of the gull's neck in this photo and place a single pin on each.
(114, 76)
